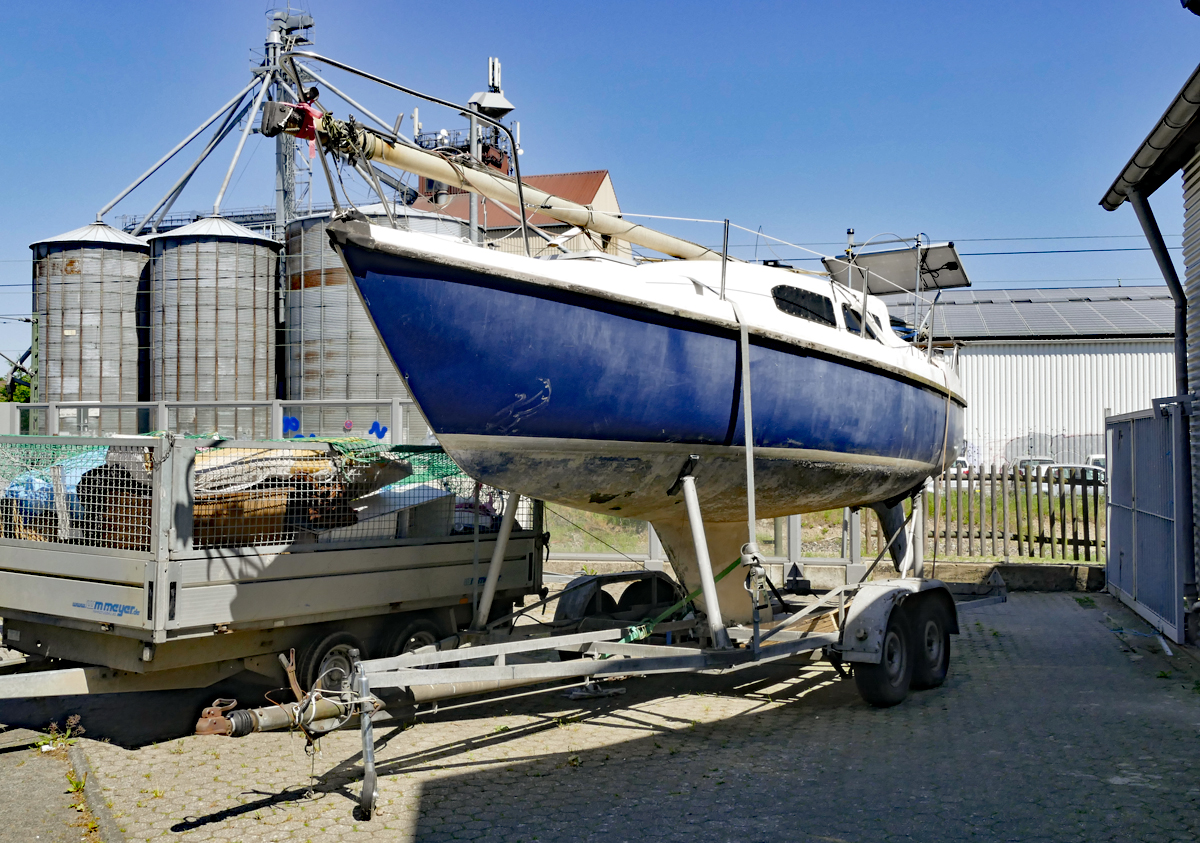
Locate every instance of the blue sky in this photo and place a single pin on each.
(967, 121)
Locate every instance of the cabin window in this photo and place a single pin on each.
(854, 322)
(811, 306)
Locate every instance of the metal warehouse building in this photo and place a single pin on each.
(1042, 368)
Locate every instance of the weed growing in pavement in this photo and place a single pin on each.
(56, 740)
(74, 784)
(1086, 602)
(1163, 674)
(1196, 687)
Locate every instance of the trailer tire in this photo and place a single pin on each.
(886, 684)
(930, 645)
(329, 653)
(417, 633)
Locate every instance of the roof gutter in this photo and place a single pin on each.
(1165, 150)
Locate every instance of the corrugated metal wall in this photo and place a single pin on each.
(1049, 398)
(1191, 262)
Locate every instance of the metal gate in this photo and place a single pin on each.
(1149, 537)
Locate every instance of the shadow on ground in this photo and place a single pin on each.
(131, 720)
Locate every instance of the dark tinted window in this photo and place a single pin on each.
(854, 322)
(811, 306)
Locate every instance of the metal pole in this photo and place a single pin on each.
(237, 153)
(916, 542)
(751, 548)
(794, 548)
(1167, 267)
(716, 627)
(370, 785)
(724, 258)
(473, 207)
(654, 562)
(493, 572)
(169, 199)
(475, 554)
(232, 103)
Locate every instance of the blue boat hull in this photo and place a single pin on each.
(597, 404)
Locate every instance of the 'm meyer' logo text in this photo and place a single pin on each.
(108, 608)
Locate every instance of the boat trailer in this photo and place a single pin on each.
(892, 635)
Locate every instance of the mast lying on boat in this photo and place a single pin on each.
(306, 121)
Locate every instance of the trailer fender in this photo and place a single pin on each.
(862, 633)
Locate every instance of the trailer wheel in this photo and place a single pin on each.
(931, 646)
(417, 633)
(886, 684)
(325, 662)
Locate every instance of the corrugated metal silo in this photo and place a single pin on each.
(212, 324)
(86, 341)
(333, 350)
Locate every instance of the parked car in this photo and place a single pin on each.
(1026, 464)
(1073, 475)
(1098, 460)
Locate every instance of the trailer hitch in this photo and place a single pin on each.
(213, 720)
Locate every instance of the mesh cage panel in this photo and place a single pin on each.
(336, 490)
(97, 496)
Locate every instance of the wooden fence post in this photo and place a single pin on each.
(1087, 544)
(1074, 518)
(1004, 503)
(1016, 487)
(970, 512)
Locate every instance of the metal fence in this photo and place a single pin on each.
(392, 421)
(1149, 518)
(242, 495)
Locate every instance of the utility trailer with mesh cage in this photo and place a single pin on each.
(160, 562)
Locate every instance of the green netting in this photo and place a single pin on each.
(429, 462)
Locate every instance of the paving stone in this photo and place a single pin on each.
(1045, 729)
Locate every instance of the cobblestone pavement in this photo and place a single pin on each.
(49, 816)
(1050, 728)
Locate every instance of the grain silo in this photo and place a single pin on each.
(333, 350)
(86, 340)
(212, 324)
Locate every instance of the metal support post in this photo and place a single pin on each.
(396, 433)
(162, 417)
(370, 785)
(493, 572)
(852, 545)
(237, 153)
(780, 525)
(794, 549)
(916, 542)
(655, 556)
(473, 207)
(716, 628)
(52, 419)
(276, 419)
